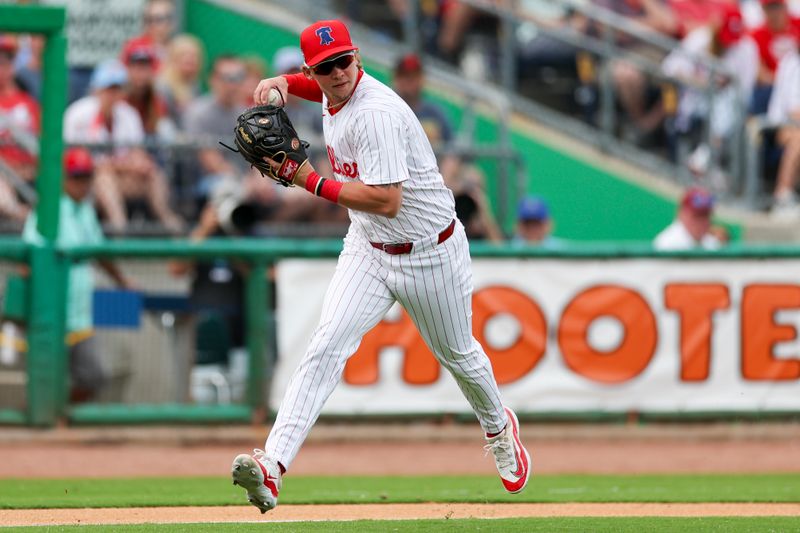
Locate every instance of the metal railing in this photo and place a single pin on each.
(174, 155)
(603, 136)
(604, 47)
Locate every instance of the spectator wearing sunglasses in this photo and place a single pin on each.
(692, 226)
(158, 24)
(141, 94)
(209, 118)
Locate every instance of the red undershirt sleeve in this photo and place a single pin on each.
(303, 87)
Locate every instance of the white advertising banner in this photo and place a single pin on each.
(579, 335)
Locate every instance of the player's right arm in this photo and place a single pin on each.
(296, 84)
(384, 199)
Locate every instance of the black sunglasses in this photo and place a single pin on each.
(233, 77)
(157, 19)
(81, 175)
(326, 67)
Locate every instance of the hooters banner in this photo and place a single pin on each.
(578, 335)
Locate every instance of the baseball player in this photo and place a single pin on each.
(404, 244)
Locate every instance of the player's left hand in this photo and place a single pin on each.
(266, 132)
(301, 175)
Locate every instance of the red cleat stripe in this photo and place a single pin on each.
(522, 459)
(268, 480)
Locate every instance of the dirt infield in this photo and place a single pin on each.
(356, 450)
(601, 457)
(171, 515)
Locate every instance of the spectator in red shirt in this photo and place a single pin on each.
(779, 34)
(19, 129)
(159, 25)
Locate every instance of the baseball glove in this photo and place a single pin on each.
(266, 131)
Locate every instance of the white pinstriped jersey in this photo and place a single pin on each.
(376, 138)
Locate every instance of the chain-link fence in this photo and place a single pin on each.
(179, 337)
(190, 332)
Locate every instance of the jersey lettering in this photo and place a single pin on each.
(349, 170)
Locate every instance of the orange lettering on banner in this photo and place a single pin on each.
(419, 365)
(514, 362)
(635, 351)
(696, 303)
(760, 332)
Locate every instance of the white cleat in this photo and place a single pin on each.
(260, 476)
(512, 459)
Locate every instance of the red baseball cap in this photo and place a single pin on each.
(140, 48)
(698, 200)
(324, 39)
(8, 43)
(731, 27)
(408, 64)
(139, 53)
(78, 161)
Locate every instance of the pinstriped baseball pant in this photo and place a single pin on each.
(435, 288)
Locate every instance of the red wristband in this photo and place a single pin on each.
(330, 190)
(325, 188)
(311, 182)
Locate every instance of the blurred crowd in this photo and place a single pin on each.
(661, 91)
(152, 114)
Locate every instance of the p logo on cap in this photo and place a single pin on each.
(324, 34)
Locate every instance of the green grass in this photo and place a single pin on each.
(511, 525)
(71, 493)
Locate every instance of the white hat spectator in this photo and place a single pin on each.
(107, 74)
(287, 59)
